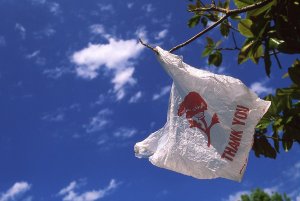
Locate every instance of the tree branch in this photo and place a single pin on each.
(200, 33)
(213, 7)
(274, 138)
(230, 48)
(210, 8)
(148, 46)
(228, 13)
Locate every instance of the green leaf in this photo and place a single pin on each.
(267, 59)
(264, 122)
(256, 52)
(194, 21)
(274, 43)
(207, 51)
(209, 48)
(244, 53)
(213, 17)
(261, 146)
(294, 72)
(204, 21)
(210, 41)
(294, 92)
(218, 43)
(244, 27)
(226, 4)
(215, 58)
(287, 142)
(275, 140)
(278, 103)
(262, 9)
(285, 75)
(192, 7)
(224, 28)
(243, 3)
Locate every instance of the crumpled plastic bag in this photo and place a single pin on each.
(210, 123)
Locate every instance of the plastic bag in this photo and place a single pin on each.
(210, 123)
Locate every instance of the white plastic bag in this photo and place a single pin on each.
(210, 124)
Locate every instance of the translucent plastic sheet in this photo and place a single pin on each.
(210, 123)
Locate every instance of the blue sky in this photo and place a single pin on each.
(77, 92)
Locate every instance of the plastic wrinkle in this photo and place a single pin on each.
(210, 123)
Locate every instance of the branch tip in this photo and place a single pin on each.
(148, 46)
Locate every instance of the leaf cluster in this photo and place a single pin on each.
(268, 30)
(260, 195)
(283, 117)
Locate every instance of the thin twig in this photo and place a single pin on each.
(210, 8)
(213, 7)
(234, 41)
(277, 60)
(228, 48)
(233, 28)
(148, 46)
(274, 138)
(199, 34)
(228, 13)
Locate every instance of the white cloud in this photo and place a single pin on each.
(164, 22)
(56, 72)
(2, 41)
(141, 33)
(106, 7)
(97, 29)
(37, 59)
(69, 194)
(49, 31)
(298, 198)
(69, 188)
(60, 113)
(33, 54)
(148, 8)
(136, 97)
(100, 100)
(99, 121)
(271, 190)
(236, 196)
(130, 5)
(162, 34)
(260, 89)
(38, 1)
(164, 91)
(15, 191)
(57, 116)
(54, 8)
(122, 78)
(294, 172)
(116, 55)
(21, 30)
(102, 140)
(125, 133)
